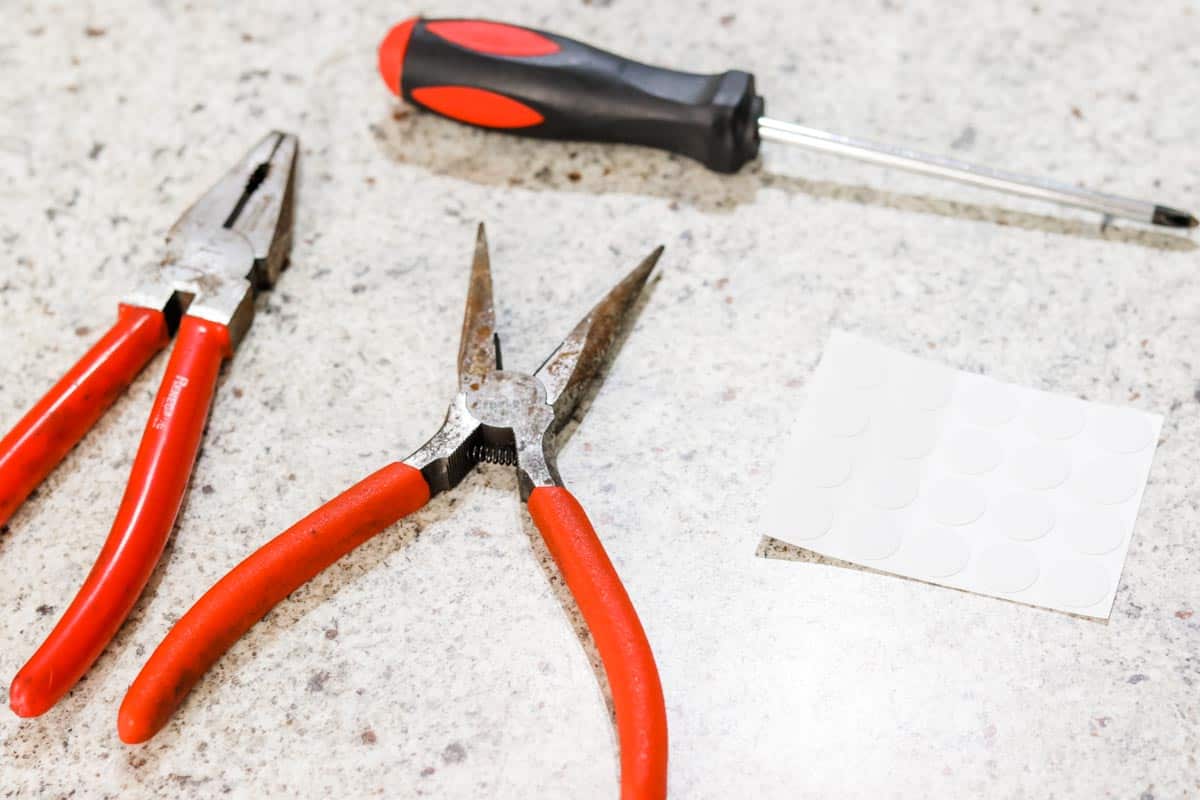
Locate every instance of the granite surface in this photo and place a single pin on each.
(440, 659)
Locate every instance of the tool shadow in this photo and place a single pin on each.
(770, 547)
(493, 159)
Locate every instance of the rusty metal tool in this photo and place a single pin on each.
(499, 416)
(233, 242)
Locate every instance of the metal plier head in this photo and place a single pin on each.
(506, 417)
(232, 242)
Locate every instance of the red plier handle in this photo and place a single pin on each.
(44, 436)
(255, 586)
(258, 584)
(619, 637)
(143, 522)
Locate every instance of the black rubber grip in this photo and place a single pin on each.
(571, 91)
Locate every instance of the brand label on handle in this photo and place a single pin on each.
(179, 383)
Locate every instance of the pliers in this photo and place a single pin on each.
(498, 416)
(234, 241)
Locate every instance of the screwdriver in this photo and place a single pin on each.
(533, 83)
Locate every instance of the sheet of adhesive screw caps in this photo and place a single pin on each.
(906, 466)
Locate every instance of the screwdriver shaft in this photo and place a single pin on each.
(988, 178)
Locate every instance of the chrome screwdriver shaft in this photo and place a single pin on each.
(550, 87)
(953, 169)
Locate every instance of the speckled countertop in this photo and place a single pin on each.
(438, 660)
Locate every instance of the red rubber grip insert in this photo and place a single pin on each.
(477, 106)
(617, 632)
(44, 436)
(147, 514)
(258, 584)
(493, 38)
(391, 53)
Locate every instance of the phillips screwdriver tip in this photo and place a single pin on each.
(1174, 218)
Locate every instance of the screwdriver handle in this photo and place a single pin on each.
(533, 83)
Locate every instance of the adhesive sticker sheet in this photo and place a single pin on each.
(906, 466)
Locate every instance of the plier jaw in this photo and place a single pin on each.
(511, 418)
(231, 243)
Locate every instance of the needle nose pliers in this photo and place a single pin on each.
(232, 242)
(499, 416)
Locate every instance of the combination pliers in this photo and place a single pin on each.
(498, 416)
(233, 242)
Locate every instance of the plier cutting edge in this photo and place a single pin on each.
(498, 416)
(234, 241)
